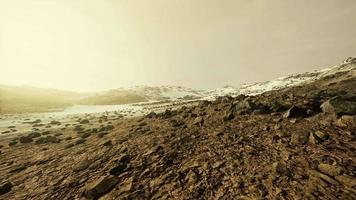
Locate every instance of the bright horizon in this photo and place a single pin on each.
(89, 45)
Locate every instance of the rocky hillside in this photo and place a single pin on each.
(283, 82)
(292, 143)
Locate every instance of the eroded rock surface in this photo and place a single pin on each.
(278, 145)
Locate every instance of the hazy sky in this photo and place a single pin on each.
(91, 45)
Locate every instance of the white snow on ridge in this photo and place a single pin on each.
(178, 93)
(164, 92)
(280, 83)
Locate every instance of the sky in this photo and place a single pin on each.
(94, 45)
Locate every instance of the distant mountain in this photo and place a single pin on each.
(112, 97)
(157, 93)
(22, 99)
(31, 99)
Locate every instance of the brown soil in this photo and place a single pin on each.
(232, 148)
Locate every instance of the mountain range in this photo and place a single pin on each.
(15, 99)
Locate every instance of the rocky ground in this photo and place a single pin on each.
(295, 143)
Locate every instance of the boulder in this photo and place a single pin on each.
(54, 122)
(299, 138)
(245, 107)
(346, 120)
(67, 146)
(102, 134)
(107, 143)
(167, 114)
(275, 106)
(280, 169)
(85, 135)
(5, 187)
(340, 105)
(79, 141)
(84, 121)
(47, 139)
(68, 138)
(100, 187)
(106, 128)
(142, 124)
(124, 159)
(13, 143)
(229, 116)
(126, 186)
(151, 115)
(25, 139)
(119, 169)
(330, 170)
(295, 112)
(321, 136)
(82, 165)
(346, 180)
(199, 121)
(46, 133)
(34, 134)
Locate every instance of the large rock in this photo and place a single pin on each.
(119, 169)
(245, 107)
(275, 106)
(330, 170)
(198, 121)
(299, 138)
(26, 139)
(126, 186)
(229, 116)
(79, 141)
(47, 139)
(106, 128)
(340, 105)
(85, 135)
(346, 180)
(101, 186)
(295, 112)
(84, 121)
(82, 165)
(168, 114)
(54, 122)
(151, 115)
(34, 134)
(5, 187)
(13, 143)
(346, 120)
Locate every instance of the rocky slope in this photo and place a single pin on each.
(294, 143)
(280, 83)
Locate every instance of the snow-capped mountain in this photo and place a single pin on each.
(159, 93)
(21, 98)
(178, 93)
(283, 82)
